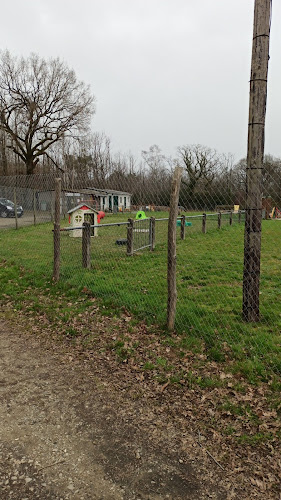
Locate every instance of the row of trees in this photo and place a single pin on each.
(209, 179)
(45, 115)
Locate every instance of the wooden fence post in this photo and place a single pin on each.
(230, 219)
(182, 227)
(219, 220)
(254, 185)
(34, 207)
(152, 233)
(56, 273)
(172, 248)
(15, 203)
(204, 218)
(86, 245)
(130, 237)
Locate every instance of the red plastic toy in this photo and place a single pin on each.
(101, 215)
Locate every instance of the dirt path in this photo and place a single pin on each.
(66, 435)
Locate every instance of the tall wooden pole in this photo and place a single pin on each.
(257, 110)
(172, 248)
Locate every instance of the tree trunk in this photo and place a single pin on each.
(3, 154)
(30, 166)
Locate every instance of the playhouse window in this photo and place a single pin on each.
(120, 199)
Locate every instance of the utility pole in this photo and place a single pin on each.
(257, 110)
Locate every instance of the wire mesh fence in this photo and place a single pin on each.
(128, 261)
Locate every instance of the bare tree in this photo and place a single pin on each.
(157, 172)
(40, 103)
(201, 165)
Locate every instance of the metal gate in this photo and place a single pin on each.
(142, 234)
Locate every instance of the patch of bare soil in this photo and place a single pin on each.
(95, 416)
(68, 433)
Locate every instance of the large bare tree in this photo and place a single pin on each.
(201, 166)
(41, 101)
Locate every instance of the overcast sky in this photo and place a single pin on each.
(166, 72)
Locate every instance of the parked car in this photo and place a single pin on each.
(7, 208)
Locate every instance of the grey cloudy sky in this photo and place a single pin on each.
(166, 72)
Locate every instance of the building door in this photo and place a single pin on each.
(115, 204)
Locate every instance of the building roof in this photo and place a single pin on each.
(104, 192)
(80, 206)
(96, 192)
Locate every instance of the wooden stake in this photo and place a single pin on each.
(34, 207)
(56, 273)
(219, 220)
(182, 227)
(86, 245)
(152, 233)
(204, 219)
(257, 110)
(15, 203)
(172, 248)
(230, 219)
(130, 237)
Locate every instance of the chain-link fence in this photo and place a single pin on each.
(123, 260)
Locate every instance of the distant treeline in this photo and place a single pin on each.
(209, 179)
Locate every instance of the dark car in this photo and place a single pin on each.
(7, 208)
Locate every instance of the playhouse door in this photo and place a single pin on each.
(110, 203)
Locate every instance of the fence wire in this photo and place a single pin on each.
(209, 258)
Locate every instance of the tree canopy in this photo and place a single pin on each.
(41, 102)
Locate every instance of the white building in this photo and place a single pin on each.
(114, 201)
(108, 200)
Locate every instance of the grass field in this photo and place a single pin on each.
(209, 281)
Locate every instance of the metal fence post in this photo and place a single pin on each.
(204, 218)
(219, 220)
(130, 237)
(182, 227)
(152, 233)
(86, 245)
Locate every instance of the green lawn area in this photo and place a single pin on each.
(209, 281)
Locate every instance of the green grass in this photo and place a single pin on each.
(209, 283)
